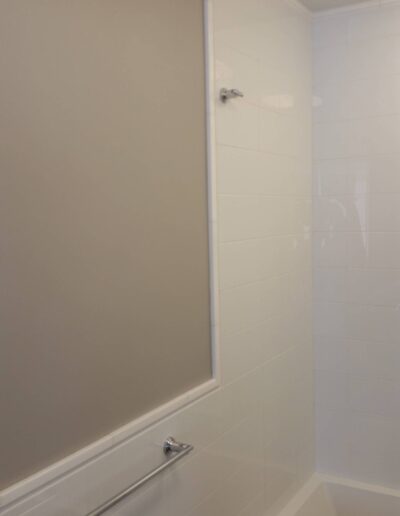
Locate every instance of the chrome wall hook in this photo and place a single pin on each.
(226, 94)
(171, 445)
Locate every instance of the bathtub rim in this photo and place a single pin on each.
(319, 480)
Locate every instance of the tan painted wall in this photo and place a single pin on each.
(104, 297)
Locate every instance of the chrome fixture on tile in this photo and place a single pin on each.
(173, 450)
(226, 94)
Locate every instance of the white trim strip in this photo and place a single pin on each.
(362, 486)
(212, 188)
(44, 477)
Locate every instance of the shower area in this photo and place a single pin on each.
(300, 415)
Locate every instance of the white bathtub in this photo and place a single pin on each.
(327, 496)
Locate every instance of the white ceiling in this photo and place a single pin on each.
(320, 5)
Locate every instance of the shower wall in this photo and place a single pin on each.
(357, 242)
(254, 435)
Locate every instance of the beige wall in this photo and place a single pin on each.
(104, 299)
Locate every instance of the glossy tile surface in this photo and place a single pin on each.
(357, 242)
(264, 186)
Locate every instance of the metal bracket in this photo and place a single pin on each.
(171, 445)
(226, 94)
(173, 449)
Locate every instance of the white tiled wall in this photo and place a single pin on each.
(253, 437)
(357, 242)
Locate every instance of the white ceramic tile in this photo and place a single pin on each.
(356, 322)
(237, 124)
(248, 305)
(346, 176)
(364, 58)
(380, 360)
(340, 213)
(362, 286)
(234, 69)
(374, 469)
(283, 39)
(276, 91)
(331, 140)
(242, 352)
(243, 216)
(237, 25)
(384, 177)
(70, 493)
(154, 500)
(372, 322)
(330, 320)
(364, 25)
(196, 478)
(255, 507)
(331, 390)
(279, 338)
(200, 424)
(247, 261)
(324, 56)
(242, 171)
(241, 398)
(384, 213)
(363, 98)
(279, 400)
(330, 249)
(375, 433)
(374, 396)
(357, 243)
(389, 20)
(330, 101)
(276, 132)
(384, 136)
(280, 475)
(375, 250)
(246, 350)
(330, 31)
(332, 441)
(234, 496)
(306, 462)
(330, 353)
(246, 479)
(63, 498)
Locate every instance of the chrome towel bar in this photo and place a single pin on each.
(172, 449)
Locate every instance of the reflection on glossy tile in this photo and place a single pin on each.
(357, 243)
